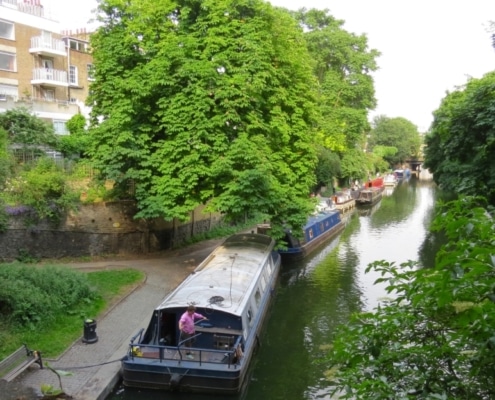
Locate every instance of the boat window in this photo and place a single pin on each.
(250, 317)
(257, 297)
(311, 234)
(269, 266)
(263, 283)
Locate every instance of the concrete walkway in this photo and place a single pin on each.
(164, 271)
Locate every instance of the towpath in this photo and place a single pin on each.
(97, 363)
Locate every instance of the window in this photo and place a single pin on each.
(7, 30)
(257, 297)
(8, 91)
(46, 38)
(73, 75)
(79, 46)
(7, 61)
(91, 72)
(59, 127)
(49, 94)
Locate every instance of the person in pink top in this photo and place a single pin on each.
(187, 327)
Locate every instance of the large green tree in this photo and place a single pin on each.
(205, 102)
(460, 147)
(398, 133)
(343, 65)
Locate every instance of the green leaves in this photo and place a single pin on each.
(460, 146)
(396, 138)
(227, 114)
(434, 339)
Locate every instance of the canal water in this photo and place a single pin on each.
(316, 295)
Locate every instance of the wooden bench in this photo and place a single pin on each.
(18, 361)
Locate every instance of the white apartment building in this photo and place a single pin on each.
(41, 67)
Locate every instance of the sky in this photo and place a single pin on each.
(428, 47)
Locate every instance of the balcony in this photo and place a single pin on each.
(47, 47)
(50, 77)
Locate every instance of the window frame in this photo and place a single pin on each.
(56, 123)
(14, 57)
(12, 32)
(73, 72)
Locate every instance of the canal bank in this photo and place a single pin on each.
(96, 366)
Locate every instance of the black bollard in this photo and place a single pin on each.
(90, 331)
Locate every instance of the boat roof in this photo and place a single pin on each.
(226, 278)
(314, 219)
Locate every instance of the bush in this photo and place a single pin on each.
(30, 295)
(43, 188)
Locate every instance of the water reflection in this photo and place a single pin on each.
(316, 295)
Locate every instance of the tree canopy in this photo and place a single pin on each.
(398, 133)
(205, 102)
(342, 63)
(460, 147)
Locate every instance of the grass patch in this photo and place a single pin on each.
(55, 337)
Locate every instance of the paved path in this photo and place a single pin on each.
(164, 271)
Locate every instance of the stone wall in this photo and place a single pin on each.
(98, 229)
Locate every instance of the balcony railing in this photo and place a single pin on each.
(41, 45)
(46, 76)
(9, 2)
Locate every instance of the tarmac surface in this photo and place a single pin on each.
(96, 366)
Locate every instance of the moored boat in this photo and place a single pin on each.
(319, 228)
(370, 196)
(233, 288)
(344, 201)
(390, 180)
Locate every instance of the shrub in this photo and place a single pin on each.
(43, 188)
(30, 295)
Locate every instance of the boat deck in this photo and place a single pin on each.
(206, 356)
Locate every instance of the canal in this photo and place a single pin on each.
(318, 294)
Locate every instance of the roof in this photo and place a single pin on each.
(225, 279)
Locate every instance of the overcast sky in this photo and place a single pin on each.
(427, 46)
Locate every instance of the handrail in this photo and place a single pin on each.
(184, 341)
(140, 332)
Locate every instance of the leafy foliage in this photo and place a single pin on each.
(43, 188)
(78, 141)
(398, 133)
(435, 338)
(227, 113)
(6, 159)
(54, 337)
(461, 144)
(328, 168)
(30, 296)
(26, 129)
(355, 165)
(342, 63)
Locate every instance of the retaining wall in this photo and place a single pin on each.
(98, 229)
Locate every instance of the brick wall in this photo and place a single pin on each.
(99, 229)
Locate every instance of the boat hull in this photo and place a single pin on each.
(318, 230)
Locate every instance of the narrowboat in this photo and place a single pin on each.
(232, 288)
(319, 228)
(370, 196)
(390, 180)
(344, 201)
